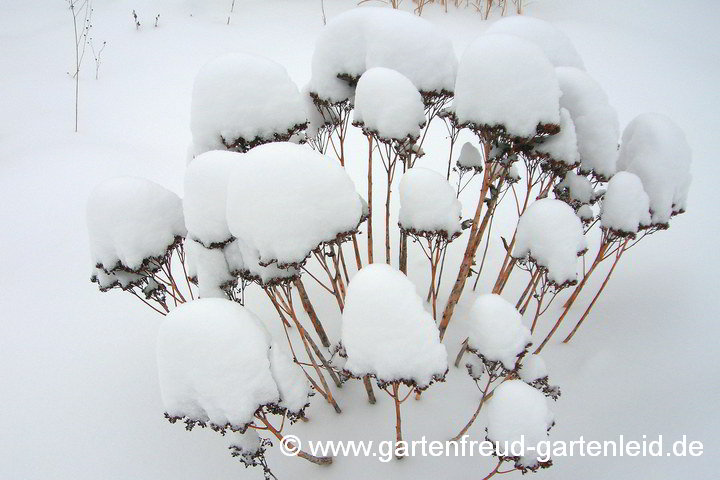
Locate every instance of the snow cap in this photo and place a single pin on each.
(428, 203)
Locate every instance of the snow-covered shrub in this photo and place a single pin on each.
(559, 153)
(625, 205)
(240, 101)
(534, 372)
(655, 149)
(575, 190)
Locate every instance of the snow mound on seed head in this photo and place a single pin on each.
(386, 331)
(387, 103)
(285, 199)
(206, 180)
(554, 43)
(655, 149)
(552, 235)
(506, 81)
(496, 330)
(562, 147)
(579, 188)
(428, 203)
(625, 205)
(517, 410)
(243, 96)
(596, 124)
(470, 158)
(292, 384)
(368, 37)
(533, 368)
(130, 220)
(210, 268)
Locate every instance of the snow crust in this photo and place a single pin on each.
(242, 96)
(204, 202)
(386, 331)
(596, 123)
(655, 149)
(625, 205)
(284, 199)
(214, 364)
(554, 43)
(363, 38)
(505, 80)
(428, 203)
(131, 219)
(563, 146)
(388, 103)
(552, 235)
(516, 410)
(470, 157)
(496, 330)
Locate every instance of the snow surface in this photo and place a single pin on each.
(625, 205)
(363, 38)
(387, 103)
(552, 235)
(130, 220)
(386, 331)
(505, 80)
(554, 43)
(206, 180)
(213, 363)
(563, 146)
(239, 95)
(286, 199)
(655, 149)
(517, 410)
(596, 124)
(428, 203)
(496, 330)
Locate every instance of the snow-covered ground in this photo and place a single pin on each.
(79, 394)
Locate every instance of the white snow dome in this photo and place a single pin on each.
(428, 203)
(552, 235)
(496, 330)
(368, 37)
(206, 180)
(596, 124)
(285, 199)
(388, 104)
(579, 189)
(554, 43)
(625, 206)
(562, 148)
(470, 158)
(655, 149)
(506, 81)
(386, 331)
(241, 100)
(131, 220)
(518, 412)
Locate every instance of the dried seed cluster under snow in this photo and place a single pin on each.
(389, 105)
(241, 100)
(286, 199)
(363, 38)
(506, 81)
(131, 220)
(387, 333)
(428, 204)
(496, 330)
(625, 205)
(216, 367)
(552, 235)
(655, 149)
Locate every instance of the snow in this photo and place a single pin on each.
(655, 149)
(211, 269)
(428, 203)
(213, 364)
(206, 180)
(310, 200)
(246, 445)
(131, 220)
(518, 90)
(625, 206)
(388, 104)
(578, 187)
(386, 331)
(554, 43)
(470, 158)
(496, 330)
(363, 38)
(517, 410)
(292, 384)
(596, 123)
(239, 98)
(533, 368)
(244, 261)
(563, 146)
(552, 235)
(585, 212)
(116, 278)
